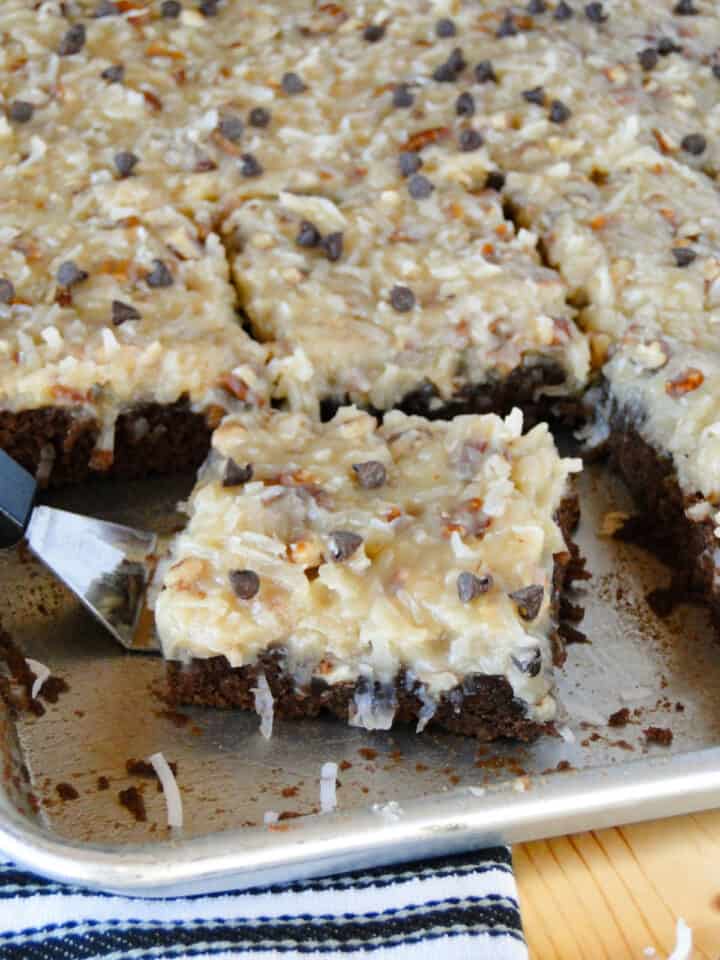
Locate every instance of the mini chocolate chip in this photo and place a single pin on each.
(535, 95)
(666, 46)
(343, 544)
(536, 7)
(485, 72)
(115, 73)
(694, 143)
(716, 70)
(7, 291)
(73, 41)
(684, 256)
(495, 180)
(123, 312)
(245, 583)
(402, 298)
(231, 127)
(595, 12)
(507, 26)
(159, 276)
(449, 71)
(445, 28)
(419, 187)
(308, 235)
(170, 9)
(470, 140)
(470, 587)
(559, 113)
(648, 58)
(563, 11)
(528, 600)
(292, 83)
(106, 8)
(685, 8)
(332, 244)
(259, 117)
(21, 111)
(235, 475)
(209, 8)
(69, 274)
(125, 162)
(250, 166)
(402, 96)
(532, 666)
(465, 105)
(409, 162)
(373, 32)
(371, 474)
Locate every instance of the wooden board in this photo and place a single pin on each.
(610, 894)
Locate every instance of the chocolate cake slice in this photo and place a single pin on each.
(404, 571)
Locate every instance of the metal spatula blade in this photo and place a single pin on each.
(106, 565)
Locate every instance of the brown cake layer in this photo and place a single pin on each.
(57, 443)
(688, 545)
(482, 706)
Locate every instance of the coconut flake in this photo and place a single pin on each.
(170, 789)
(270, 816)
(264, 705)
(328, 784)
(477, 791)
(683, 941)
(41, 675)
(427, 710)
(370, 711)
(567, 734)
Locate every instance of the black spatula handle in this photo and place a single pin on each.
(17, 495)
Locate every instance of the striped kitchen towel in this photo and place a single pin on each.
(464, 906)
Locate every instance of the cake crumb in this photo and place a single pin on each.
(660, 735)
(620, 718)
(103, 783)
(66, 791)
(133, 801)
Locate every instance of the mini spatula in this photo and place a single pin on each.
(107, 566)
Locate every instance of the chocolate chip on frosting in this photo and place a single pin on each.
(73, 41)
(470, 586)
(245, 583)
(694, 143)
(507, 27)
(160, 275)
(470, 140)
(69, 274)
(343, 544)
(370, 474)
(402, 96)
(409, 162)
(21, 111)
(250, 166)
(648, 58)
(465, 105)
(528, 600)
(666, 46)
(259, 117)
(563, 11)
(231, 127)
(115, 73)
(332, 244)
(373, 32)
(235, 474)
(536, 7)
(535, 95)
(402, 299)
(595, 12)
(209, 8)
(685, 8)
(449, 71)
(7, 291)
(106, 8)
(532, 665)
(485, 72)
(308, 235)
(495, 180)
(420, 187)
(559, 112)
(292, 83)
(170, 9)
(125, 162)
(684, 256)
(445, 28)
(123, 312)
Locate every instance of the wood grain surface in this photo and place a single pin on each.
(611, 894)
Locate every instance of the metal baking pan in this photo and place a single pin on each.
(400, 796)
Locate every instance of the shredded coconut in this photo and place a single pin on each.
(170, 789)
(328, 784)
(683, 941)
(41, 675)
(264, 705)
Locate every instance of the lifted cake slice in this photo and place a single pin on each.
(408, 571)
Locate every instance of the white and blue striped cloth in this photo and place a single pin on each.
(464, 906)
